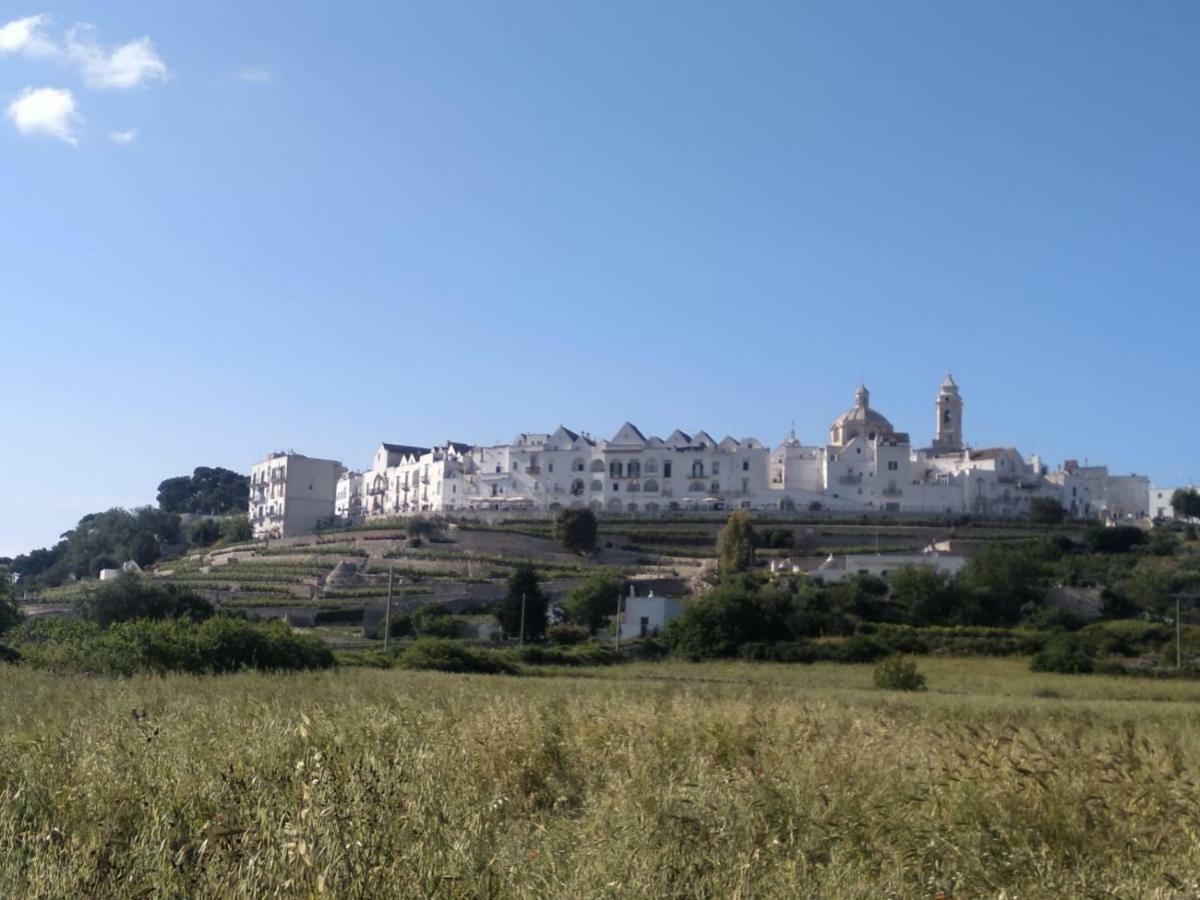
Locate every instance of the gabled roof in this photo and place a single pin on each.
(728, 444)
(654, 442)
(752, 443)
(564, 438)
(678, 439)
(703, 437)
(405, 449)
(628, 434)
(459, 446)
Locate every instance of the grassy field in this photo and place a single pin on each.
(664, 780)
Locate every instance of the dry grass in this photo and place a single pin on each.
(724, 780)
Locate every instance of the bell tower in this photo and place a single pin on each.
(948, 436)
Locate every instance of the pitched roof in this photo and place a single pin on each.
(405, 449)
(628, 434)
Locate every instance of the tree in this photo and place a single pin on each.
(719, 622)
(524, 587)
(1185, 503)
(1001, 581)
(927, 596)
(132, 597)
(735, 547)
(1120, 539)
(575, 529)
(591, 603)
(143, 549)
(212, 491)
(235, 529)
(205, 533)
(1046, 511)
(434, 620)
(10, 613)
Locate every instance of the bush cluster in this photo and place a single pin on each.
(445, 655)
(218, 644)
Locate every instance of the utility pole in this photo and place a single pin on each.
(387, 613)
(521, 636)
(1178, 640)
(617, 627)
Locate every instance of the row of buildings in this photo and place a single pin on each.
(865, 466)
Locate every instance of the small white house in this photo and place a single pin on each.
(646, 616)
(836, 569)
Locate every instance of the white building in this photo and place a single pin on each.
(865, 466)
(291, 494)
(647, 616)
(1160, 501)
(839, 568)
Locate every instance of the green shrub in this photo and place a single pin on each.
(219, 644)
(1064, 653)
(566, 634)
(445, 655)
(434, 620)
(898, 673)
(132, 597)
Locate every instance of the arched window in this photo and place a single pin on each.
(597, 465)
(614, 470)
(597, 485)
(577, 465)
(651, 507)
(633, 487)
(631, 507)
(634, 469)
(697, 469)
(650, 484)
(576, 487)
(652, 467)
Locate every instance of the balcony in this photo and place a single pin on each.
(533, 470)
(892, 492)
(850, 479)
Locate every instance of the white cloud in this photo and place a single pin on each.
(25, 36)
(126, 67)
(257, 74)
(128, 136)
(49, 111)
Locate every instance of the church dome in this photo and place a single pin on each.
(859, 421)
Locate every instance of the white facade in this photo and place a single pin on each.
(647, 616)
(866, 466)
(1160, 501)
(836, 569)
(291, 494)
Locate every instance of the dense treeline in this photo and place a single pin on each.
(1002, 588)
(134, 625)
(209, 491)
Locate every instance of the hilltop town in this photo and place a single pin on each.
(866, 466)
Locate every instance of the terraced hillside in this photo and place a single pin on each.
(342, 576)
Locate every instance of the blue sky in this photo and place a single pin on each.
(319, 226)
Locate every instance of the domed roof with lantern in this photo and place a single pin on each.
(859, 421)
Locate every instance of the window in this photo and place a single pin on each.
(597, 486)
(616, 487)
(634, 469)
(696, 487)
(597, 465)
(745, 465)
(666, 470)
(549, 467)
(614, 470)
(715, 487)
(577, 465)
(697, 469)
(893, 465)
(651, 467)
(716, 468)
(650, 484)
